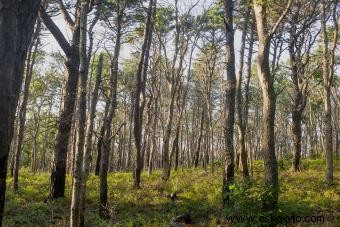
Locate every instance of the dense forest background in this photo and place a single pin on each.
(201, 107)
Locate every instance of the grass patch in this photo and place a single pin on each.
(199, 193)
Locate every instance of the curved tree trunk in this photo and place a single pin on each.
(71, 51)
(111, 106)
(140, 91)
(270, 198)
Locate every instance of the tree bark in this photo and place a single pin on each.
(328, 75)
(71, 51)
(270, 198)
(246, 96)
(154, 128)
(140, 91)
(16, 28)
(106, 143)
(173, 82)
(199, 140)
(78, 175)
(228, 171)
(89, 132)
(23, 107)
(240, 117)
(300, 41)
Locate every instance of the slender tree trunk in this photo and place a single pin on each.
(328, 75)
(228, 171)
(199, 140)
(240, 121)
(23, 107)
(146, 139)
(174, 84)
(246, 91)
(71, 51)
(13, 145)
(100, 139)
(89, 132)
(298, 63)
(296, 130)
(270, 198)
(128, 158)
(154, 130)
(106, 146)
(78, 176)
(140, 91)
(35, 146)
(47, 132)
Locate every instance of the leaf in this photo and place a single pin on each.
(232, 187)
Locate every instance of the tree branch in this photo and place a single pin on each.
(66, 15)
(283, 15)
(53, 28)
(335, 41)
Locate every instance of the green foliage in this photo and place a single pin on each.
(213, 19)
(198, 192)
(164, 19)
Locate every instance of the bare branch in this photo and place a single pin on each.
(53, 28)
(283, 15)
(66, 14)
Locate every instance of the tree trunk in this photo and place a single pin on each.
(35, 146)
(240, 117)
(298, 62)
(23, 107)
(173, 83)
(296, 130)
(199, 140)
(154, 130)
(270, 198)
(89, 132)
(140, 91)
(106, 145)
(16, 28)
(71, 51)
(228, 171)
(328, 75)
(78, 176)
(246, 91)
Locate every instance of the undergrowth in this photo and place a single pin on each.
(198, 193)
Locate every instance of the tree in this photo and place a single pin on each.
(104, 146)
(328, 75)
(16, 29)
(241, 126)
(78, 176)
(71, 50)
(140, 90)
(175, 68)
(269, 100)
(299, 47)
(228, 171)
(30, 62)
(89, 132)
(118, 17)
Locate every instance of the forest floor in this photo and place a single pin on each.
(198, 192)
